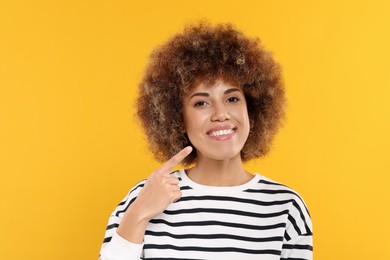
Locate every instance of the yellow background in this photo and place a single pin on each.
(70, 149)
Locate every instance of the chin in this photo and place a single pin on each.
(222, 156)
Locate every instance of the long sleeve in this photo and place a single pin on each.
(298, 238)
(120, 249)
(115, 247)
(300, 247)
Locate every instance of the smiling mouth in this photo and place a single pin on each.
(222, 132)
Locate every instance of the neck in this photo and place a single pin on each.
(219, 172)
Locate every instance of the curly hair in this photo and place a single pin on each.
(205, 53)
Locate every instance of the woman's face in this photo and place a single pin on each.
(216, 120)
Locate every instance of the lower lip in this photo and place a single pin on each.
(222, 137)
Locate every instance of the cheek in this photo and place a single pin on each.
(190, 124)
(247, 125)
(245, 114)
(245, 121)
(242, 115)
(194, 124)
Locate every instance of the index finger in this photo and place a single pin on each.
(175, 160)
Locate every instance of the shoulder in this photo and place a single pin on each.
(299, 219)
(128, 199)
(280, 191)
(134, 190)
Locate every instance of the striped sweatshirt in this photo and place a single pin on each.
(261, 219)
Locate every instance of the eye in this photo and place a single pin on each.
(200, 104)
(232, 100)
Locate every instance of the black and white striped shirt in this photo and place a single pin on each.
(261, 219)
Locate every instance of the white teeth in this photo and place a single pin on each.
(221, 132)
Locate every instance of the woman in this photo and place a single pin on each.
(211, 98)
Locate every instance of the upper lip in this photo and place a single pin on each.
(221, 127)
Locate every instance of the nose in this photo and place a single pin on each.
(220, 113)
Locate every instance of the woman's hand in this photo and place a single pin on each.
(160, 190)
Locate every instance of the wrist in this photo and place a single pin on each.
(132, 227)
(137, 213)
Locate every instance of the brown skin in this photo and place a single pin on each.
(211, 108)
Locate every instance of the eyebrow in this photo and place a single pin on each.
(205, 94)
